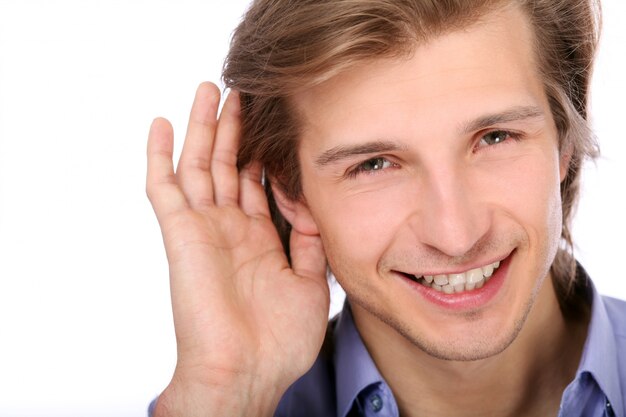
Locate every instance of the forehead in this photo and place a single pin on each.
(482, 68)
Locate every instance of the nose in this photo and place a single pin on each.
(452, 215)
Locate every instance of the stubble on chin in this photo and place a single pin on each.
(462, 350)
(454, 347)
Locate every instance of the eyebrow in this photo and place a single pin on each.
(512, 115)
(338, 153)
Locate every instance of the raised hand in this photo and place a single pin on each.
(247, 324)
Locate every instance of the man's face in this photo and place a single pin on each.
(435, 165)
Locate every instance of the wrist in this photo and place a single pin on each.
(244, 397)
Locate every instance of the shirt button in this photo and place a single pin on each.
(609, 409)
(377, 402)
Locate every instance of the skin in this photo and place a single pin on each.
(445, 199)
(238, 349)
(447, 202)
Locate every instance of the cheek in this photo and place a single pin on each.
(360, 227)
(531, 195)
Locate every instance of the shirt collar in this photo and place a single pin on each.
(356, 371)
(600, 354)
(354, 367)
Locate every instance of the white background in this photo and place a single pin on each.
(85, 322)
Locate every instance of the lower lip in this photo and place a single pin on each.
(467, 300)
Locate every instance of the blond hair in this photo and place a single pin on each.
(282, 47)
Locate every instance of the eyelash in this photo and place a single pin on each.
(360, 168)
(508, 135)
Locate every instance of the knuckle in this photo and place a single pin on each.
(196, 163)
(224, 157)
(151, 191)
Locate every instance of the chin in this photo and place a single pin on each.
(474, 342)
(476, 335)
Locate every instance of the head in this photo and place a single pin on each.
(285, 52)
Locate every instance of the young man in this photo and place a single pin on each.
(428, 153)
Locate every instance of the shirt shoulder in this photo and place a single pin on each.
(616, 310)
(616, 315)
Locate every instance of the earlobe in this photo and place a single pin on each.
(564, 160)
(296, 212)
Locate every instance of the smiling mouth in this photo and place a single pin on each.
(457, 283)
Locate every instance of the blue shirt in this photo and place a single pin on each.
(344, 381)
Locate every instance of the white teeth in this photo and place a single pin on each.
(441, 279)
(456, 279)
(473, 276)
(456, 283)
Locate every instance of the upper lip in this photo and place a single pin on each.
(460, 269)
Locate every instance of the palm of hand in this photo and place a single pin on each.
(242, 315)
(244, 299)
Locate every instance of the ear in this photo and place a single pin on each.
(296, 212)
(565, 158)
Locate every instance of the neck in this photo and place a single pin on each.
(526, 379)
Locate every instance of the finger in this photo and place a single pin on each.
(194, 167)
(252, 198)
(161, 184)
(307, 256)
(224, 158)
